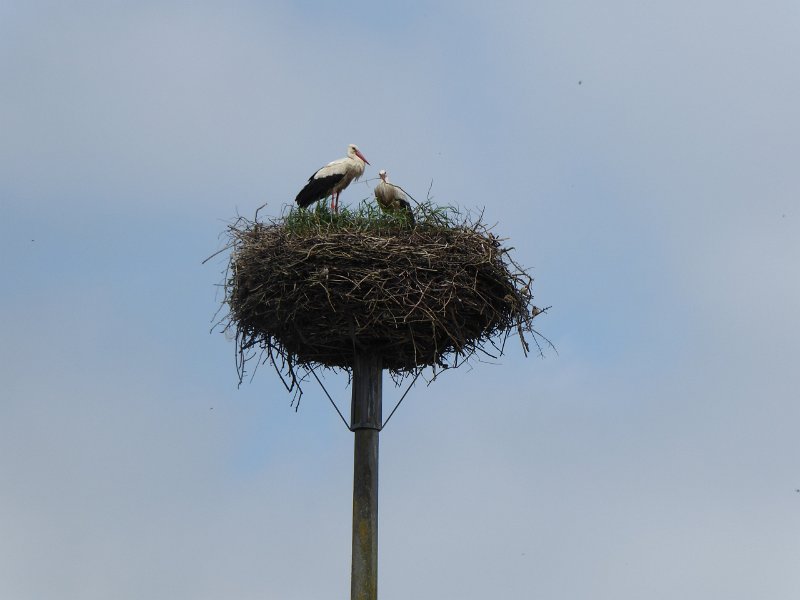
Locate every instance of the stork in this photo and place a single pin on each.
(391, 198)
(331, 179)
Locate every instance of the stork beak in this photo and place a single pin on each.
(361, 156)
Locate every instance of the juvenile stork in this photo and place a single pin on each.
(331, 179)
(391, 198)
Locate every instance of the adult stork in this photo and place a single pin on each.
(331, 179)
(391, 198)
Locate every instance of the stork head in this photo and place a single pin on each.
(382, 174)
(353, 151)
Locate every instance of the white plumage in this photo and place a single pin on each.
(331, 179)
(391, 198)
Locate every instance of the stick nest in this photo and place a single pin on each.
(313, 288)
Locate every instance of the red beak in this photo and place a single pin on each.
(361, 156)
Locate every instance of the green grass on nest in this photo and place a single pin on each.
(367, 216)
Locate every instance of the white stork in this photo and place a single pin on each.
(331, 179)
(391, 198)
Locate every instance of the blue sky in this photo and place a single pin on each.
(640, 157)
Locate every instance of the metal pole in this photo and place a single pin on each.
(365, 422)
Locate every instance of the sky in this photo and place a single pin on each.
(640, 158)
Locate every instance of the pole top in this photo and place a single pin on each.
(366, 410)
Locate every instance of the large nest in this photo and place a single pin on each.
(314, 288)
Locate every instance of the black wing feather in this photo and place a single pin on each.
(406, 208)
(317, 189)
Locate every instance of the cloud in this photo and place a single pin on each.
(640, 158)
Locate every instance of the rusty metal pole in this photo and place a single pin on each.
(365, 422)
